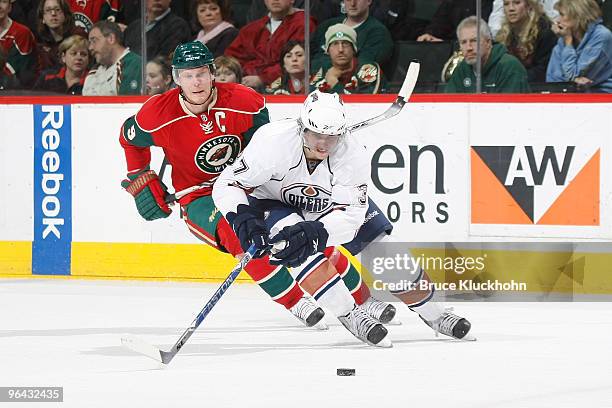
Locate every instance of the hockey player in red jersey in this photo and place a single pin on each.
(202, 127)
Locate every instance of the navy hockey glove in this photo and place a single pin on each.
(250, 228)
(302, 240)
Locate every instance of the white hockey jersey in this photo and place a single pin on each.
(273, 166)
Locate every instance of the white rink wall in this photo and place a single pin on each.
(424, 175)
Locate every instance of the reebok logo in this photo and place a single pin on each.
(51, 246)
(541, 185)
(52, 176)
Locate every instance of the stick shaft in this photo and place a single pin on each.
(167, 356)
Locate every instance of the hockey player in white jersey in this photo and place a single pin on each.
(310, 179)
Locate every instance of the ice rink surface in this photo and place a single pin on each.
(250, 352)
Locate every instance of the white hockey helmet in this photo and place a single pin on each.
(323, 113)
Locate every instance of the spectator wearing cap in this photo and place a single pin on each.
(374, 40)
(119, 70)
(19, 44)
(259, 43)
(344, 73)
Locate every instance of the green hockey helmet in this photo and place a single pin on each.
(192, 54)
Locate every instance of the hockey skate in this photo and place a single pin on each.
(451, 325)
(365, 328)
(309, 313)
(381, 311)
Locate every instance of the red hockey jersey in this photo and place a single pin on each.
(198, 147)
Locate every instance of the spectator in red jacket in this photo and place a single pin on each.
(259, 43)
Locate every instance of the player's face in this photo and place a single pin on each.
(76, 58)
(468, 45)
(53, 15)
(294, 60)
(516, 10)
(196, 83)
(319, 146)
(209, 15)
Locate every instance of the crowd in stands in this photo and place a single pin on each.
(95, 47)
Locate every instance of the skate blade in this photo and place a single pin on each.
(468, 337)
(384, 343)
(394, 322)
(321, 325)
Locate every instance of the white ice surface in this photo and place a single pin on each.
(250, 352)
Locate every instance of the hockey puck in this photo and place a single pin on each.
(345, 372)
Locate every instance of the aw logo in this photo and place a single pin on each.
(542, 185)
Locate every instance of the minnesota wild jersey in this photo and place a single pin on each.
(200, 146)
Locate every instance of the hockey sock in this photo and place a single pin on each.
(276, 282)
(319, 278)
(334, 296)
(429, 311)
(420, 301)
(349, 274)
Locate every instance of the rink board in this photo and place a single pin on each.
(438, 180)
